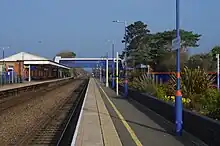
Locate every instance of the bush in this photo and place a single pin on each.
(197, 89)
(161, 93)
(185, 101)
(134, 74)
(193, 84)
(144, 84)
(193, 81)
(210, 103)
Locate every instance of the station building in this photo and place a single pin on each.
(32, 67)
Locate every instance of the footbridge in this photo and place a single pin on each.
(88, 62)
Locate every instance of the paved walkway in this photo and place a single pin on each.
(95, 126)
(113, 121)
(26, 83)
(15, 85)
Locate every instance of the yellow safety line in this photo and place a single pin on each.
(131, 132)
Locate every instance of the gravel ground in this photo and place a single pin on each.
(19, 120)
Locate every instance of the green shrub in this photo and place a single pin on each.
(193, 83)
(185, 101)
(134, 74)
(161, 93)
(196, 86)
(144, 84)
(210, 103)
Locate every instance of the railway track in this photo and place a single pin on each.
(13, 101)
(54, 129)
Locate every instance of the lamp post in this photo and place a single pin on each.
(113, 63)
(106, 71)
(103, 68)
(3, 65)
(3, 57)
(178, 99)
(125, 59)
(100, 71)
(217, 56)
(3, 54)
(117, 73)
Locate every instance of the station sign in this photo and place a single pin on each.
(32, 67)
(176, 43)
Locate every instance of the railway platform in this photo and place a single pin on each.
(15, 89)
(25, 84)
(110, 120)
(95, 126)
(16, 85)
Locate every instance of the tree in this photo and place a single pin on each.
(160, 54)
(66, 54)
(200, 60)
(188, 39)
(135, 33)
(213, 52)
(212, 58)
(167, 62)
(153, 49)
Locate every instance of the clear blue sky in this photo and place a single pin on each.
(84, 26)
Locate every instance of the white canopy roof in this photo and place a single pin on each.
(30, 59)
(44, 62)
(23, 56)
